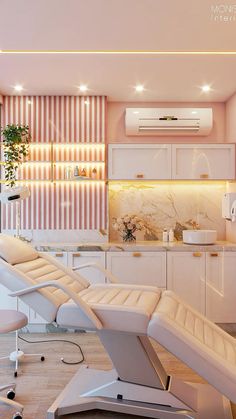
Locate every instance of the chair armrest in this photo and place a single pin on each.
(75, 297)
(99, 267)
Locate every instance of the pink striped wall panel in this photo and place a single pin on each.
(60, 206)
(62, 119)
(77, 127)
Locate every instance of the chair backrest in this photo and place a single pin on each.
(21, 266)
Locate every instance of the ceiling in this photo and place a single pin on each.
(164, 25)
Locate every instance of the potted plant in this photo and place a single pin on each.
(16, 140)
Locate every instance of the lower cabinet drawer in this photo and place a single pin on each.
(142, 268)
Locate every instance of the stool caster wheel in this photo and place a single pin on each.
(15, 374)
(11, 394)
(17, 415)
(42, 358)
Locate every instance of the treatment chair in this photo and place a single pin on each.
(125, 317)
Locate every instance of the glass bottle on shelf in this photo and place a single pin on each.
(68, 172)
(76, 171)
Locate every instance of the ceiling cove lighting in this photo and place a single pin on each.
(18, 88)
(206, 88)
(118, 52)
(139, 88)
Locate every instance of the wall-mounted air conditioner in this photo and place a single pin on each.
(168, 121)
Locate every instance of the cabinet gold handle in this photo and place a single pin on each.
(197, 254)
(214, 255)
(76, 254)
(140, 176)
(204, 176)
(137, 254)
(59, 255)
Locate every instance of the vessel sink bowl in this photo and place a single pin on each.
(199, 236)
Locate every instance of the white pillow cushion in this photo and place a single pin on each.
(14, 250)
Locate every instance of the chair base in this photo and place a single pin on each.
(10, 403)
(95, 389)
(17, 356)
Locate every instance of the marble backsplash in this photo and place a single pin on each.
(167, 205)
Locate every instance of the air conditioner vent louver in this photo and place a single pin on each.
(178, 121)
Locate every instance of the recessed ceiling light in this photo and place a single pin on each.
(206, 88)
(18, 88)
(83, 88)
(139, 88)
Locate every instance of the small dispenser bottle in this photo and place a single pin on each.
(171, 235)
(165, 235)
(94, 173)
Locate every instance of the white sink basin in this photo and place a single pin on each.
(199, 236)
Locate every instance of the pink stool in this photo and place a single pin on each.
(10, 321)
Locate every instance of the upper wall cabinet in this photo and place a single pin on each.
(139, 161)
(203, 161)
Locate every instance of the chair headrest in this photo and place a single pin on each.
(14, 250)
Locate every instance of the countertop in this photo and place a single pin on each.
(147, 246)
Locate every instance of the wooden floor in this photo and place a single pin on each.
(39, 383)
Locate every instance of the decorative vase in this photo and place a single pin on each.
(128, 236)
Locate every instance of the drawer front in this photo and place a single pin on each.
(143, 268)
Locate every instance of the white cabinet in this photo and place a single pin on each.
(139, 161)
(203, 161)
(221, 287)
(60, 256)
(91, 274)
(186, 277)
(143, 268)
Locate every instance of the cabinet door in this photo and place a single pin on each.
(91, 274)
(143, 268)
(203, 161)
(186, 277)
(221, 287)
(60, 256)
(139, 161)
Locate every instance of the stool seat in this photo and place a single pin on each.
(11, 320)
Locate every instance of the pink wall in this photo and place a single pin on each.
(116, 124)
(231, 119)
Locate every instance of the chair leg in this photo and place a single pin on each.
(18, 355)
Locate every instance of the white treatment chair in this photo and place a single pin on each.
(125, 317)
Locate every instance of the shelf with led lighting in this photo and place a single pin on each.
(58, 162)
